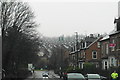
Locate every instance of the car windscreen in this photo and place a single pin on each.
(45, 75)
(75, 79)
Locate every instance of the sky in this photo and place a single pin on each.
(65, 17)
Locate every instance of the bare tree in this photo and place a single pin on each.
(15, 15)
(20, 40)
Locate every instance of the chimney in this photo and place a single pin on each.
(117, 22)
(119, 8)
(98, 35)
(91, 35)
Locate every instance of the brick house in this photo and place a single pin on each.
(110, 48)
(84, 45)
(115, 49)
(91, 53)
(104, 52)
(110, 51)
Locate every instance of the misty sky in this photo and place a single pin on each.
(67, 17)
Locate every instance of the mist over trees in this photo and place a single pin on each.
(61, 46)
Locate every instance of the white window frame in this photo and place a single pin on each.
(81, 65)
(84, 54)
(85, 44)
(105, 65)
(112, 61)
(98, 44)
(107, 48)
(93, 54)
(102, 49)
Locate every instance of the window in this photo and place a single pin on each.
(118, 63)
(73, 57)
(85, 44)
(118, 43)
(102, 49)
(112, 61)
(81, 65)
(98, 44)
(97, 65)
(106, 65)
(107, 48)
(84, 55)
(94, 55)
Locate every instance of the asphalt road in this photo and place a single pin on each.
(37, 75)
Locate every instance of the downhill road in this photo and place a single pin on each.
(37, 75)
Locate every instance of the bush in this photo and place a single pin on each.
(70, 69)
(23, 73)
(89, 68)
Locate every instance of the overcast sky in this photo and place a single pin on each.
(67, 17)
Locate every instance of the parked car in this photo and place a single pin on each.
(94, 77)
(75, 76)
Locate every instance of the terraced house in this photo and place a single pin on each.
(88, 51)
(110, 48)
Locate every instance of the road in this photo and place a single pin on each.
(38, 76)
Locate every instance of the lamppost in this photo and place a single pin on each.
(61, 39)
(76, 38)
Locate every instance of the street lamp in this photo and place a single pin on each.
(61, 39)
(76, 38)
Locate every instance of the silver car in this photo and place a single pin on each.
(75, 76)
(93, 77)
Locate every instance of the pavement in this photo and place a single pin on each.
(0, 75)
(53, 74)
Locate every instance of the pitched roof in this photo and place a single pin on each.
(94, 42)
(115, 32)
(105, 38)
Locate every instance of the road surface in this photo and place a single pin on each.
(37, 75)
